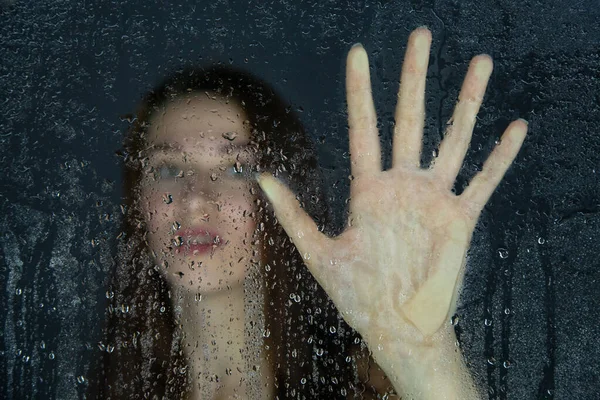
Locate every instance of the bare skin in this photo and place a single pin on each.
(193, 163)
(395, 273)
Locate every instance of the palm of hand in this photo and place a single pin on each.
(406, 235)
(395, 272)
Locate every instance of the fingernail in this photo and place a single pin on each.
(357, 44)
(360, 59)
(421, 40)
(266, 184)
(525, 121)
(484, 66)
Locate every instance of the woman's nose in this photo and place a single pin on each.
(197, 199)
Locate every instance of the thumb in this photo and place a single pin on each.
(300, 227)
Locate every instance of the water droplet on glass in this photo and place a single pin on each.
(307, 256)
(163, 309)
(507, 364)
(507, 311)
(110, 294)
(18, 292)
(197, 297)
(541, 240)
(80, 379)
(295, 297)
(300, 234)
(454, 320)
(487, 322)
(178, 241)
(266, 333)
(237, 168)
(51, 355)
(42, 345)
(167, 198)
(303, 381)
(230, 135)
(213, 176)
(332, 329)
(319, 352)
(503, 253)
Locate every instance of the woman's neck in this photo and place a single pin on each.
(215, 345)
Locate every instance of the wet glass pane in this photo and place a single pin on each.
(140, 258)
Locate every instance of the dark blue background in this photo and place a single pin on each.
(70, 69)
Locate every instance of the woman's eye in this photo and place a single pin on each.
(167, 171)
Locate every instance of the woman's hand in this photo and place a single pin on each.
(395, 272)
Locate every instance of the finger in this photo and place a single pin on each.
(410, 110)
(365, 153)
(458, 134)
(299, 226)
(485, 182)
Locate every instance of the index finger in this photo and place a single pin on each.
(365, 152)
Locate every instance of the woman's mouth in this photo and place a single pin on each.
(197, 241)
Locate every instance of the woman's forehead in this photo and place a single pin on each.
(199, 120)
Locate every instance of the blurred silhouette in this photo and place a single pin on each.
(209, 297)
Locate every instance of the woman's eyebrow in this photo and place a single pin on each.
(163, 147)
(170, 148)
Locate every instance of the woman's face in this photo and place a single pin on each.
(196, 192)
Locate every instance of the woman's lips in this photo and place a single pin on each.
(197, 241)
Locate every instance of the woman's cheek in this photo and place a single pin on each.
(246, 208)
(159, 212)
(240, 217)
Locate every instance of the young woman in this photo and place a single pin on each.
(395, 273)
(210, 299)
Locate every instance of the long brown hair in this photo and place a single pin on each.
(142, 353)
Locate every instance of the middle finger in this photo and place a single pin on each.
(410, 110)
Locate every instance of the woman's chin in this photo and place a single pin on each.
(204, 277)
